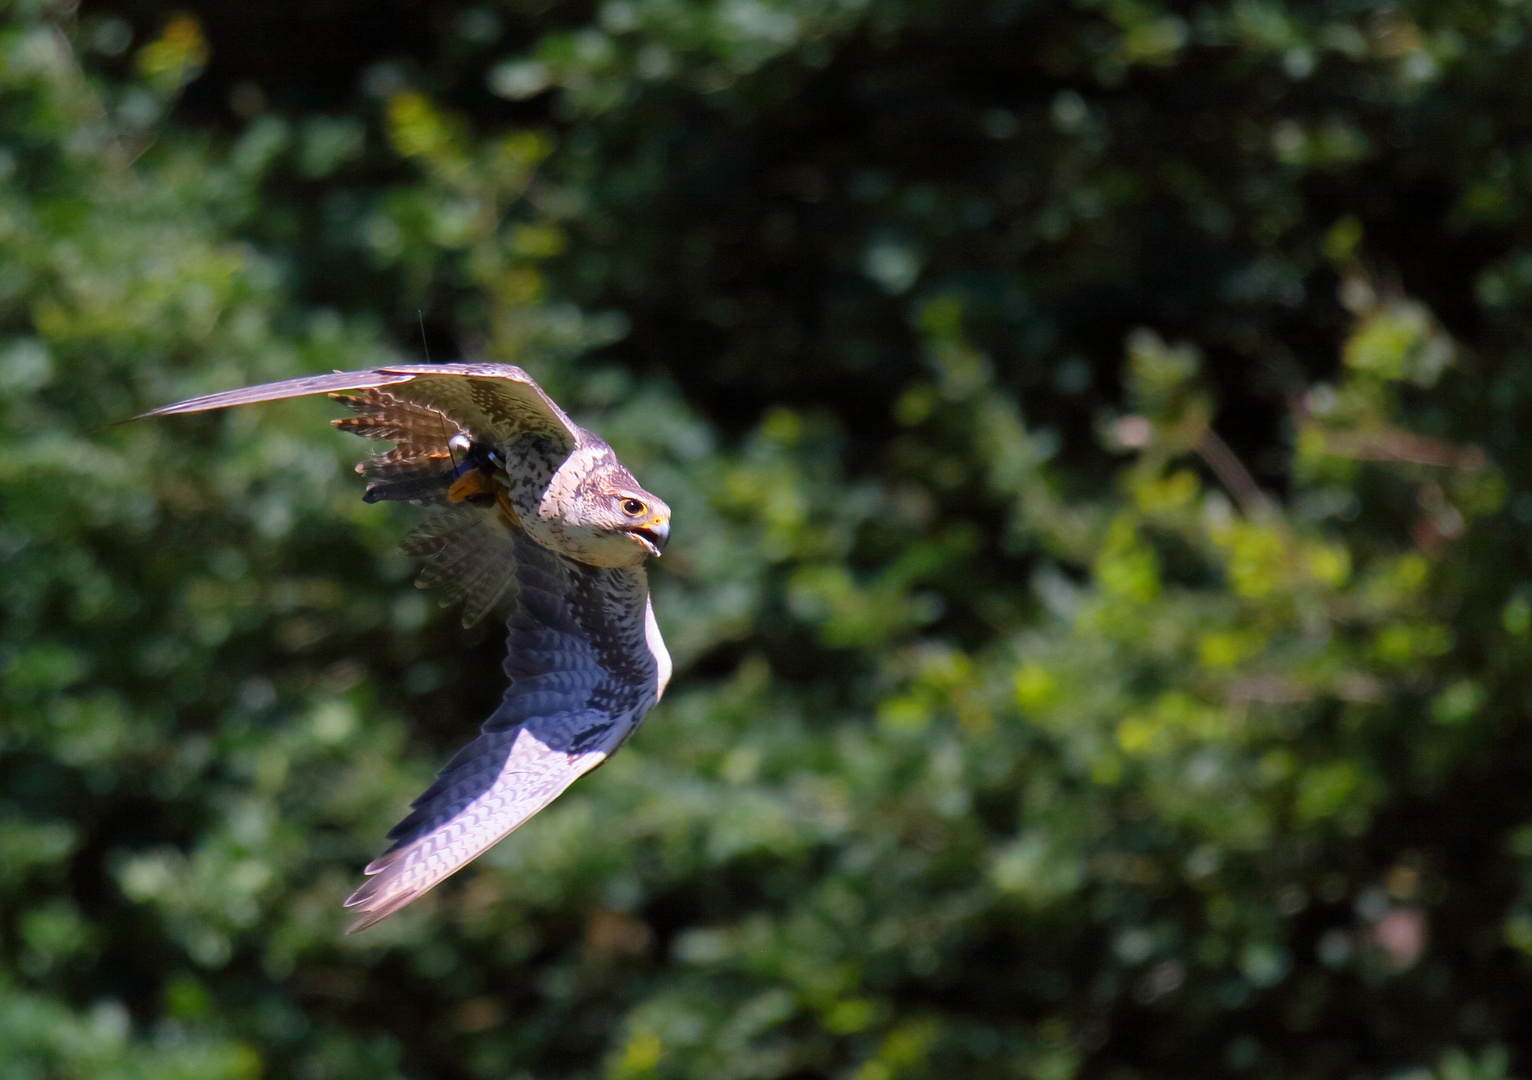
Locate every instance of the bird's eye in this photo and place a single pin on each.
(632, 507)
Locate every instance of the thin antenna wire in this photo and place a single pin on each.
(425, 347)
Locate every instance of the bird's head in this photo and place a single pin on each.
(610, 520)
(642, 518)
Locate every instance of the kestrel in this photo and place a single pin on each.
(531, 515)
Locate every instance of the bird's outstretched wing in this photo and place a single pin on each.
(421, 408)
(585, 662)
(497, 402)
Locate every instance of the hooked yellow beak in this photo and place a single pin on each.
(654, 534)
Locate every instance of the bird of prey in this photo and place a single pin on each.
(531, 516)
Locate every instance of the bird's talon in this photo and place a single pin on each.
(470, 483)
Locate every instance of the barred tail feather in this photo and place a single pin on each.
(469, 550)
(420, 433)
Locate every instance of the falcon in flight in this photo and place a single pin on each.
(531, 516)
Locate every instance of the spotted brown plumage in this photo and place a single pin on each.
(529, 515)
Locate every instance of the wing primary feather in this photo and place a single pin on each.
(582, 673)
(336, 382)
(496, 401)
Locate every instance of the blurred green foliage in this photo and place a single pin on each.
(1100, 592)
